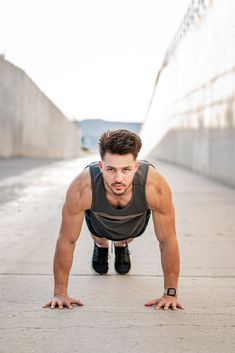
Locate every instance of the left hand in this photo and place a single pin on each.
(165, 302)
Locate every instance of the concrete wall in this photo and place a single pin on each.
(30, 124)
(192, 119)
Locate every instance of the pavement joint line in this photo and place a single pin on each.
(112, 275)
(113, 327)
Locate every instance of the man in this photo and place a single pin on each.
(116, 197)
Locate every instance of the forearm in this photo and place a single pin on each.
(62, 265)
(170, 263)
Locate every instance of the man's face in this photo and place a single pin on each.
(118, 172)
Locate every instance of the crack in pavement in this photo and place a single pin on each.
(113, 275)
(113, 327)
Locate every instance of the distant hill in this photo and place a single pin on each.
(92, 129)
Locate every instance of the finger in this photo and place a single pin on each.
(160, 305)
(47, 305)
(174, 307)
(151, 302)
(166, 306)
(180, 306)
(68, 305)
(77, 302)
(53, 304)
(60, 304)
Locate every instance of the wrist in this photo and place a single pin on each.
(60, 291)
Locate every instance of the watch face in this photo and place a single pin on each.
(171, 291)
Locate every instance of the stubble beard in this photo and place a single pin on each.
(115, 193)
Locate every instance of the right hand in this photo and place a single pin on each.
(62, 301)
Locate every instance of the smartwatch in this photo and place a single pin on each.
(170, 291)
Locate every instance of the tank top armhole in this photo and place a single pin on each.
(149, 164)
(145, 185)
(92, 174)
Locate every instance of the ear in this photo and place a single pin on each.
(137, 164)
(100, 165)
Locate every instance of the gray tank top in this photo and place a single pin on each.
(118, 224)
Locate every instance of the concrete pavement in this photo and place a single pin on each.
(114, 318)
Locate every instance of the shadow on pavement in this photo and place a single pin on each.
(17, 165)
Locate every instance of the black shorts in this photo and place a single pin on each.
(92, 230)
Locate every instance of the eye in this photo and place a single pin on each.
(126, 170)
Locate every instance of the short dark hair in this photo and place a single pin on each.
(119, 141)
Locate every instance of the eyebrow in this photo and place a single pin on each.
(110, 166)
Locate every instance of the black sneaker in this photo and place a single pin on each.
(100, 260)
(122, 260)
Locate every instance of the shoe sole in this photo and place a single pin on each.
(97, 273)
(122, 273)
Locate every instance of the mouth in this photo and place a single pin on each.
(118, 186)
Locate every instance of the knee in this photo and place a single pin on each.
(100, 241)
(123, 242)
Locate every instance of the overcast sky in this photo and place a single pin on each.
(92, 58)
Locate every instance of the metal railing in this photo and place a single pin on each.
(195, 11)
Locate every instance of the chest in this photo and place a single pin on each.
(120, 201)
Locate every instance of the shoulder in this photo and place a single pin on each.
(79, 193)
(158, 191)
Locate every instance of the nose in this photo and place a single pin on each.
(118, 177)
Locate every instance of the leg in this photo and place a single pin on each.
(101, 242)
(123, 243)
